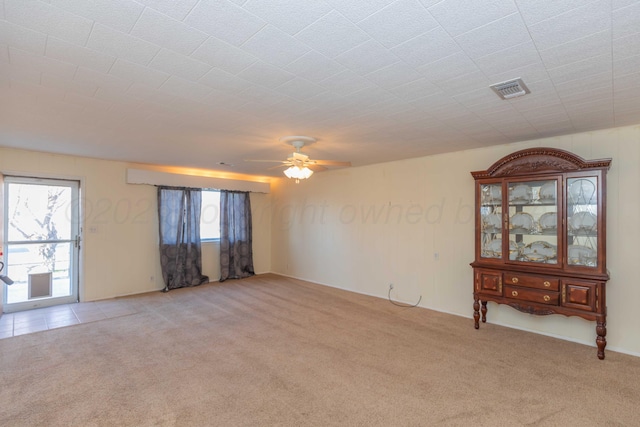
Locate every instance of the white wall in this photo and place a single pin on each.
(363, 228)
(120, 253)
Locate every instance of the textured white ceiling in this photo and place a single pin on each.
(198, 82)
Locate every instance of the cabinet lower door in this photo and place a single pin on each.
(581, 295)
(488, 282)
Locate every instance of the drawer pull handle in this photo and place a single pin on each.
(547, 283)
(514, 279)
(514, 293)
(546, 298)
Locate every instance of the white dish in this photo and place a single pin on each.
(582, 255)
(492, 194)
(548, 192)
(548, 221)
(583, 221)
(491, 223)
(535, 257)
(494, 249)
(582, 191)
(522, 221)
(495, 245)
(539, 251)
(520, 194)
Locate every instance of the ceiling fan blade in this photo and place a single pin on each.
(331, 163)
(316, 168)
(285, 165)
(267, 161)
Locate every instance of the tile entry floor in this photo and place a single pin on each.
(41, 319)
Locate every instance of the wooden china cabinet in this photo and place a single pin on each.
(541, 236)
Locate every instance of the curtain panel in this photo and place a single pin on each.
(236, 252)
(180, 247)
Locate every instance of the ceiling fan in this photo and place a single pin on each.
(299, 165)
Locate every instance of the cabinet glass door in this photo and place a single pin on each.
(533, 221)
(582, 221)
(491, 220)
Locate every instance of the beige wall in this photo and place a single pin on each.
(120, 240)
(410, 223)
(3, 271)
(359, 229)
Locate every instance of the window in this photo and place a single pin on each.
(210, 215)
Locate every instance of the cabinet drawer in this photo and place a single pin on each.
(527, 281)
(533, 295)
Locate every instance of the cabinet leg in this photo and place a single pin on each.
(484, 311)
(601, 340)
(476, 313)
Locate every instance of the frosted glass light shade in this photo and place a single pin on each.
(298, 173)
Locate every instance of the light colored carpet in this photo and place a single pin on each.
(273, 351)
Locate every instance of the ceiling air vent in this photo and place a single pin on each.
(510, 89)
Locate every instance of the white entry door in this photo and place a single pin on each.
(42, 232)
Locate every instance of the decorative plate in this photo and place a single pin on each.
(535, 257)
(583, 221)
(548, 192)
(582, 191)
(539, 251)
(491, 223)
(522, 221)
(582, 255)
(494, 248)
(492, 194)
(548, 221)
(520, 194)
(514, 250)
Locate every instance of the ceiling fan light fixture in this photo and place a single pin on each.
(298, 163)
(298, 173)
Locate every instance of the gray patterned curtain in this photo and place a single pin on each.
(236, 252)
(180, 249)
